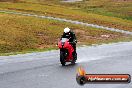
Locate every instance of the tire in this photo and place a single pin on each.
(74, 58)
(62, 58)
(73, 62)
(63, 63)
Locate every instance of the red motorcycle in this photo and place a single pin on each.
(66, 52)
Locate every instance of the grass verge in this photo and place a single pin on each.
(68, 12)
(26, 34)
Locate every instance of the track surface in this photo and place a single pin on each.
(43, 70)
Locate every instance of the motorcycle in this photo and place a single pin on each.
(66, 52)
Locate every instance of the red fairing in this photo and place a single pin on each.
(70, 50)
(69, 47)
(60, 44)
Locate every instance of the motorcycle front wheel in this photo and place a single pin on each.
(62, 58)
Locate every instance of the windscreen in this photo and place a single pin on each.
(63, 39)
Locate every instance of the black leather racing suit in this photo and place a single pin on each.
(72, 39)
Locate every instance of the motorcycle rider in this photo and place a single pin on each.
(72, 38)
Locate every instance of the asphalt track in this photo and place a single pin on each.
(43, 70)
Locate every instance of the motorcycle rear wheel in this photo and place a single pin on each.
(74, 59)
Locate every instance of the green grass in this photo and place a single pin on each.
(77, 11)
(120, 8)
(27, 34)
(27, 51)
(21, 34)
(112, 8)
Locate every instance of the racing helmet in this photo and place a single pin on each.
(66, 30)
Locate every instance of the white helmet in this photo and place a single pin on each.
(66, 30)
